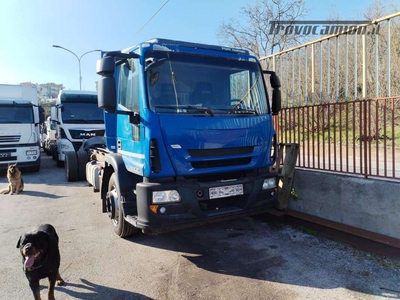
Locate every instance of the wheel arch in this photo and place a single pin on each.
(125, 180)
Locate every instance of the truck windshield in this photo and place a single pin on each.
(81, 112)
(193, 84)
(16, 114)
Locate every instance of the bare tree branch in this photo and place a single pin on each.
(253, 32)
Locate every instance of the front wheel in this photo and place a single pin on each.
(82, 161)
(71, 166)
(116, 212)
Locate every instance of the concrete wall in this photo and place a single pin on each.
(369, 204)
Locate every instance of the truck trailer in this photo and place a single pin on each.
(20, 119)
(189, 136)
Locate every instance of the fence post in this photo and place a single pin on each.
(286, 173)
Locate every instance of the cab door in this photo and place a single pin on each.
(129, 136)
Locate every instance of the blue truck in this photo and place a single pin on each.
(189, 136)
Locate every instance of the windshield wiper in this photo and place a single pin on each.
(238, 110)
(188, 107)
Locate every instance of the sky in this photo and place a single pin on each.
(29, 28)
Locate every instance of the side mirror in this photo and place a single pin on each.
(106, 89)
(41, 114)
(105, 65)
(276, 101)
(275, 81)
(53, 113)
(276, 92)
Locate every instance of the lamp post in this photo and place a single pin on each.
(79, 61)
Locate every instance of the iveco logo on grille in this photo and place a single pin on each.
(87, 134)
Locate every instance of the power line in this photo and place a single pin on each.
(148, 21)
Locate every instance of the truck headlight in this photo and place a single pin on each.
(31, 152)
(269, 183)
(166, 197)
(64, 147)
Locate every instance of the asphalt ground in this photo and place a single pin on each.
(247, 258)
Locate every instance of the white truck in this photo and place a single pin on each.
(20, 118)
(77, 117)
(49, 135)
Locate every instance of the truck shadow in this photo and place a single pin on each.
(255, 249)
(91, 291)
(41, 194)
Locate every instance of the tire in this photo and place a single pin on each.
(115, 211)
(53, 151)
(82, 161)
(71, 166)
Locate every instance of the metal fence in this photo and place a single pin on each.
(357, 63)
(338, 99)
(353, 137)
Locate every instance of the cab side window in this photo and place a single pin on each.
(129, 85)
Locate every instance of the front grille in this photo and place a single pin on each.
(220, 151)
(10, 138)
(221, 163)
(8, 155)
(85, 134)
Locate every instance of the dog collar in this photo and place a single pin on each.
(34, 268)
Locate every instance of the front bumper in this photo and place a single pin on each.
(19, 155)
(196, 207)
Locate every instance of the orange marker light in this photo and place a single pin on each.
(154, 208)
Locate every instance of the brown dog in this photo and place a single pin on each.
(41, 258)
(15, 182)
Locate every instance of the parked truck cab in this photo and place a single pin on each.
(76, 117)
(20, 119)
(190, 136)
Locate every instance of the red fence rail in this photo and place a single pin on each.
(356, 137)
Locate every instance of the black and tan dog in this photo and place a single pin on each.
(41, 258)
(15, 182)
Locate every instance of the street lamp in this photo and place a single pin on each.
(79, 60)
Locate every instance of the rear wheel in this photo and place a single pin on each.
(116, 212)
(71, 166)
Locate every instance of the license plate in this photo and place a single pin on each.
(226, 191)
(5, 154)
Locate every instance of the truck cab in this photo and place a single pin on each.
(189, 129)
(76, 117)
(20, 119)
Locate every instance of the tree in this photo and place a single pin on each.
(254, 32)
